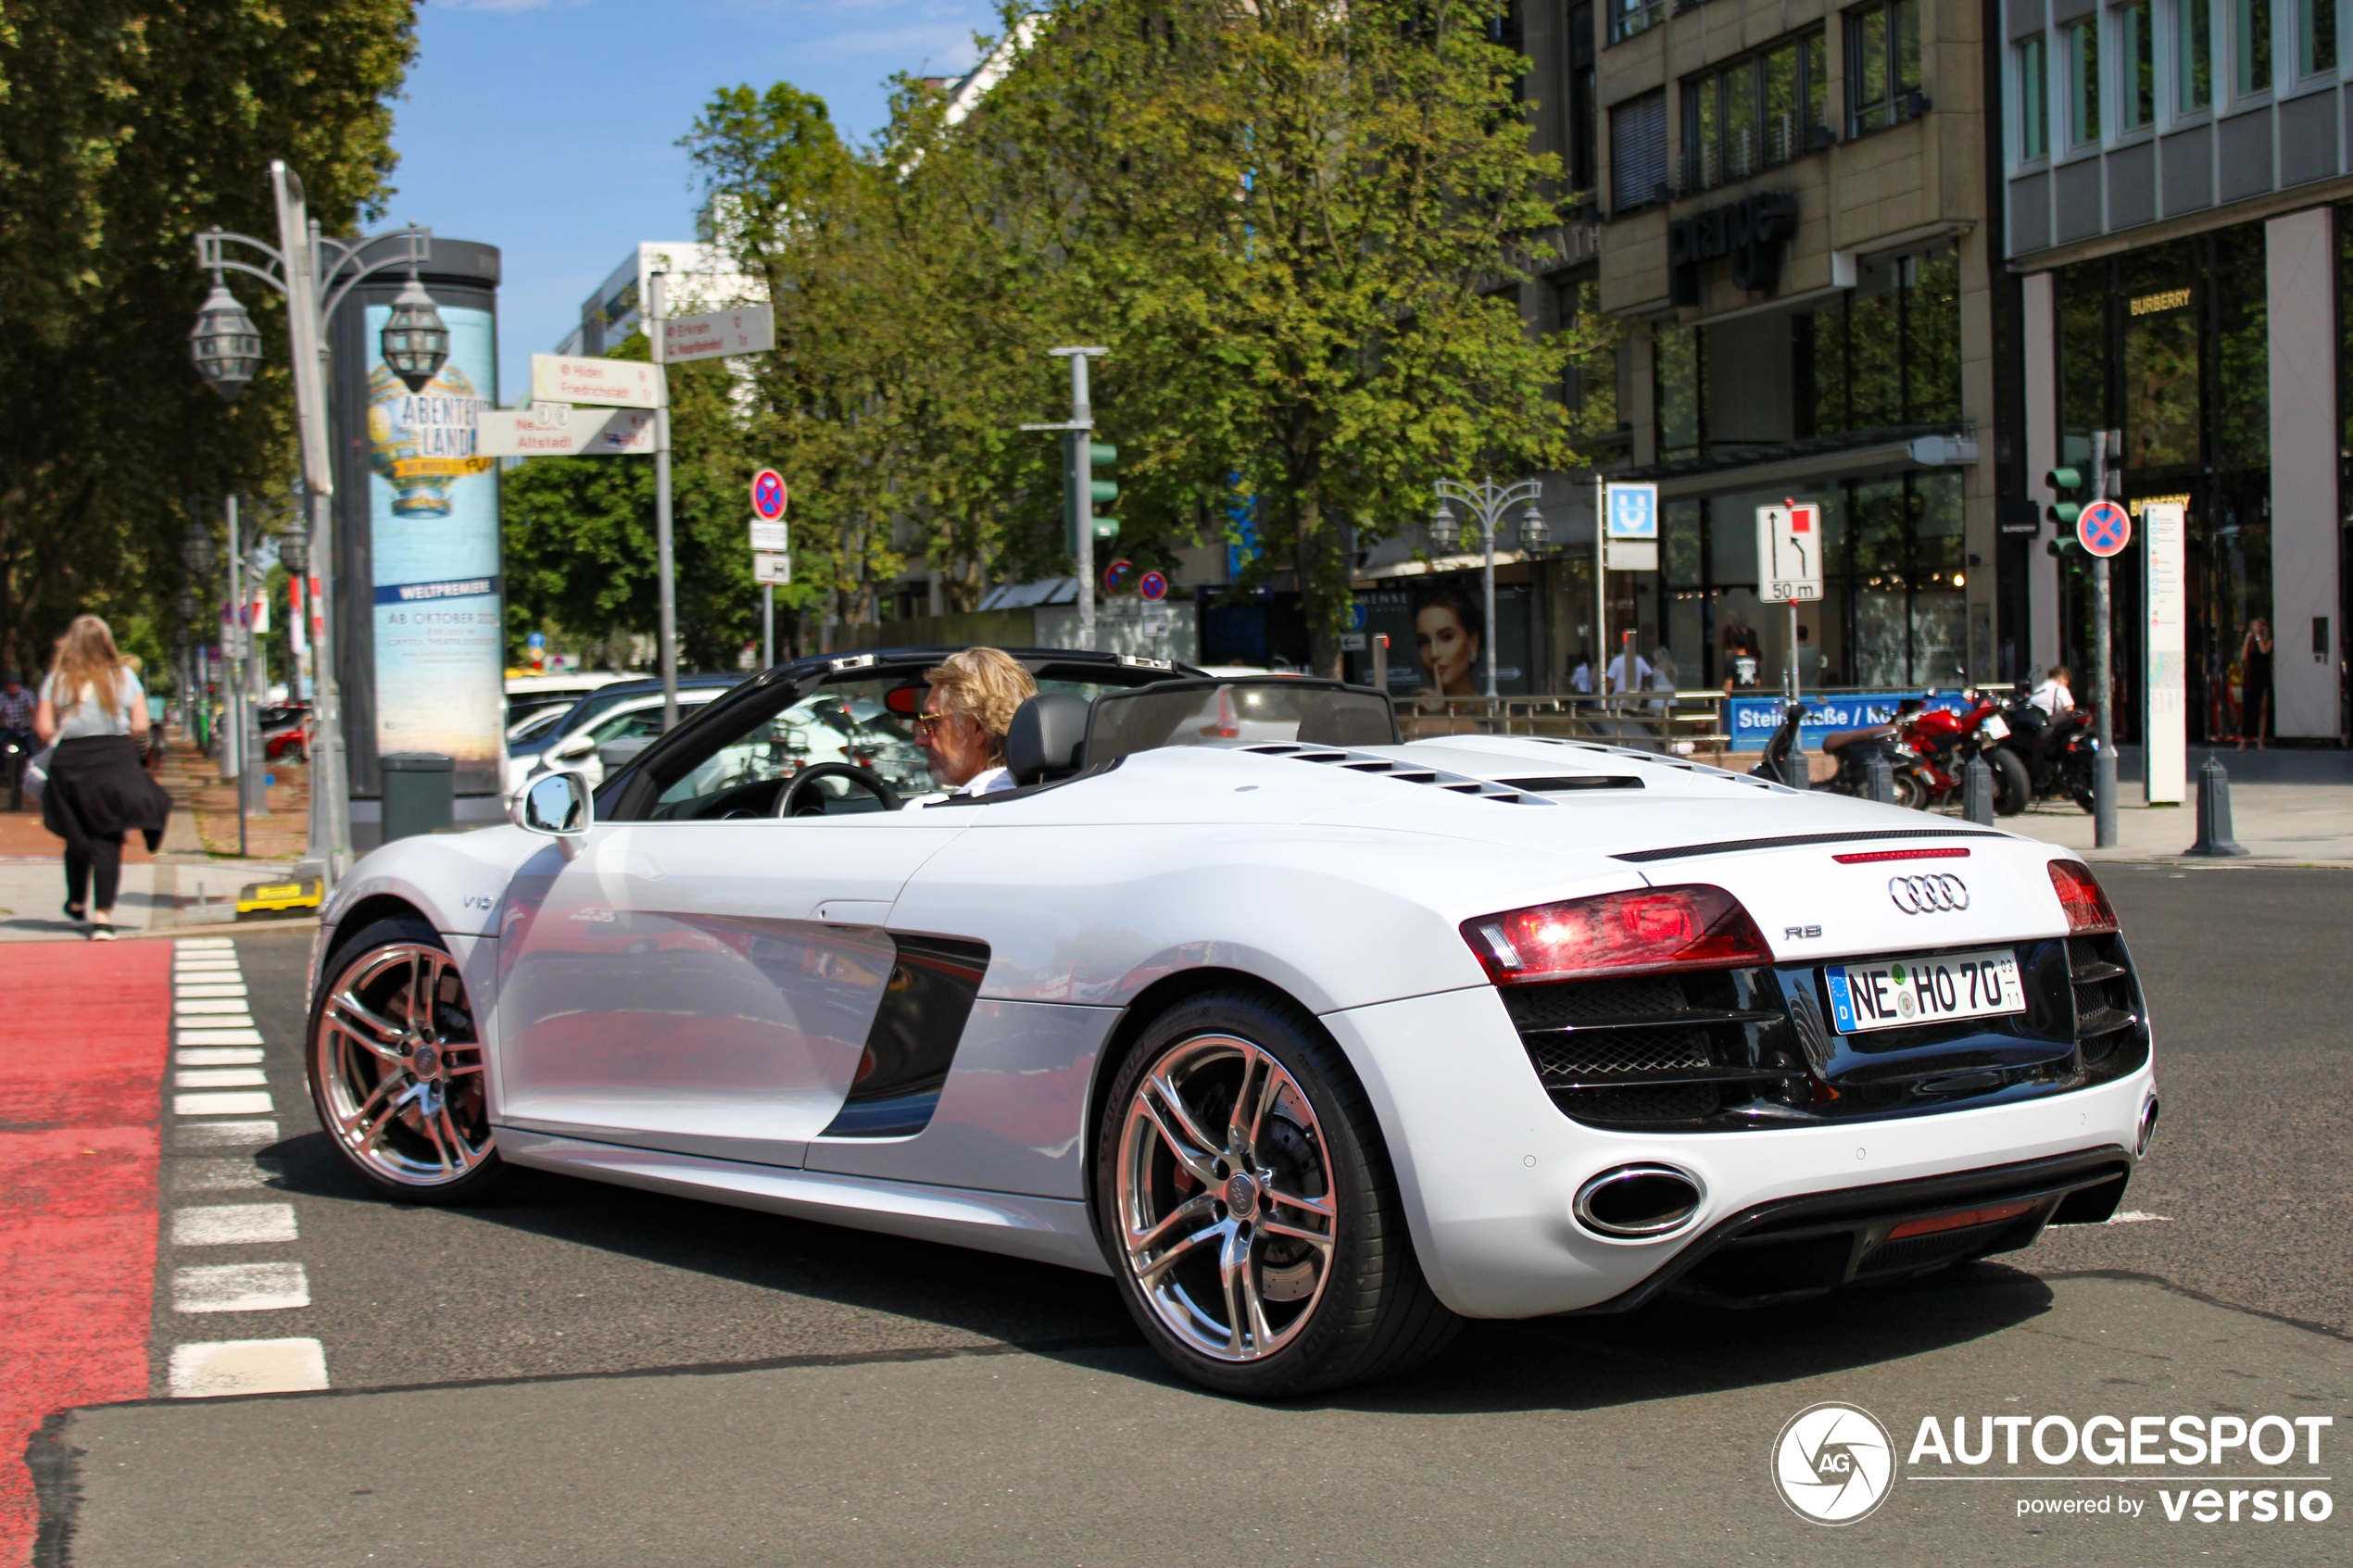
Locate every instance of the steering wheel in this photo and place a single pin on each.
(800, 800)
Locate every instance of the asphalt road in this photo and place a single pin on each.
(586, 1374)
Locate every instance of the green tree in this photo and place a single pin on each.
(125, 128)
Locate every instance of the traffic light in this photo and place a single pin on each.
(2073, 486)
(1082, 490)
(1102, 490)
(2066, 547)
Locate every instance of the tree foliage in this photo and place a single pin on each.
(127, 126)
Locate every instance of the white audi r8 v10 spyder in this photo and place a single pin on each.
(1318, 1042)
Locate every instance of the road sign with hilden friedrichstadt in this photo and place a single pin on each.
(1789, 553)
(2103, 528)
(615, 383)
(716, 335)
(772, 537)
(771, 570)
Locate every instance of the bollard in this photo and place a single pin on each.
(1794, 772)
(1879, 776)
(1977, 792)
(2214, 839)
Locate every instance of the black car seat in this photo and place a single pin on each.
(1048, 738)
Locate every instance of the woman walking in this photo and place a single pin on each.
(2254, 684)
(94, 713)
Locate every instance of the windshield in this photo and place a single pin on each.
(539, 725)
(1246, 711)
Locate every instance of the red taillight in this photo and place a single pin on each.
(1874, 856)
(2088, 912)
(1650, 929)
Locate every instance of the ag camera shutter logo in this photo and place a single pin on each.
(1833, 1463)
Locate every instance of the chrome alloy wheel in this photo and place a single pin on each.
(399, 1067)
(1225, 1198)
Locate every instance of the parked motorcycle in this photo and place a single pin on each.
(2056, 752)
(1855, 751)
(1946, 740)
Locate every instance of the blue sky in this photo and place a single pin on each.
(549, 128)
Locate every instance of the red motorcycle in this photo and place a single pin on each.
(1946, 740)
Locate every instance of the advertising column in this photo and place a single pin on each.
(417, 521)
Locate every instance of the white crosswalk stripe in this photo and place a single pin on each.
(239, 1287)
(232, 1224)
(222, 1175)
(215, 1036)
(248, 1366)
(223, 1134)
(222, 1078)
(239, 1057)
(230, 1102)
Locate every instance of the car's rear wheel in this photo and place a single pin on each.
(396, 1067)
(1249, 1209)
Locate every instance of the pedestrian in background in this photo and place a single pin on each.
(2254, 685)
(93, 714)
(2055, 696)
(16, 734)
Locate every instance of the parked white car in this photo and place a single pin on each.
(1317, 1043)
(577, 741)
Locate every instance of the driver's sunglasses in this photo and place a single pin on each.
(926, 722)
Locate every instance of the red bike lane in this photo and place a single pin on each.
(87, 1034)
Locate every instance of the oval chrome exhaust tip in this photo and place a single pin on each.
(2148, 1128)
(1641, 1202)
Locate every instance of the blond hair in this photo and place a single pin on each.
(986, 685)
(87, 659)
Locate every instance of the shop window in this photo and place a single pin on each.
(1627, 18)
(2194, 55)
(2161, 367)
(2315, 37)
(1589, 381)
(2084, 81)
(1884, 66)
(1638, 152)
(2033, 98)
(1888, 352)
(1756, 112)
(2242, 350)
(2139, 84)
(1680, 390)
(1581, 118)
(2250, 46)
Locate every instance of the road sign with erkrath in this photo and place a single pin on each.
(1789, 553)
(743, 329)
(522, 432)
(2103, 528)
(616, 384)
(775, 570)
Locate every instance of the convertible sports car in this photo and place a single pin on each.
(1317, 1042)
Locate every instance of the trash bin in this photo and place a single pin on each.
(419, 793)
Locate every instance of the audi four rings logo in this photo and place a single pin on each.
(1927, 895)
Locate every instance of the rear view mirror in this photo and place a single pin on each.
(558, 805)
(905, 701)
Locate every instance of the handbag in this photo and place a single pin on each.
(36, 773)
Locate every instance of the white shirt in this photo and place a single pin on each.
(988, 781)
(1618, 672)
(1582, 678)
(2054, 698)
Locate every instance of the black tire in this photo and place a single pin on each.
(2013, 791)
(403, 1099)
(1911, 790)
(1369, 1312)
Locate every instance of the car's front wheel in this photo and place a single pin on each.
(396, 1067)
(1249, 1209)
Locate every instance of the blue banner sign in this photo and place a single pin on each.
(1753, 720)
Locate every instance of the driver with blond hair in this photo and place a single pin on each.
(966, 713)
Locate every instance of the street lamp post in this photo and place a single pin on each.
(1488, 501)
(316, 274)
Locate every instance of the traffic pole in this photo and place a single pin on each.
(2104, 765)
(767, 625)
(1601, 593)
(666, 565)
(1081, 473)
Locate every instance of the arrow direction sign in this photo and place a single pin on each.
(619, 383)
(520, 433)
(746, 329)
(1789, 553)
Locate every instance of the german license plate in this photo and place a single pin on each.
(1995, 727)
(1902, 993)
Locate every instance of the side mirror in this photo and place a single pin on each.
(558, 805)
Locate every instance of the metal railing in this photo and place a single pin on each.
(1675, 723)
